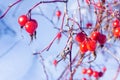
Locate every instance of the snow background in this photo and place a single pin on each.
(17, 61)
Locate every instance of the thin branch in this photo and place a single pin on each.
(9, 8)
(67, 67)
(43, 2)
(117, 73)
(76, 67)
(48, 47)
(115, 57)
(75, 23)
(42, 62)
(79, 9)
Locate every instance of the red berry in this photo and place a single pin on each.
(99, 5)
(88, 25)
(59, 35)
(100, 74)
(102, 39)
(104, 69)
(116, 32)
(116, 23)
(83, 79)
(88, 1)
(96, 74)
(55, 62)
(84, 71)
(91, 45)
(90, 71)
(31, 26)
(94, 35)
(58, 13)
(83, 47)
(22, 20)
(80, 37)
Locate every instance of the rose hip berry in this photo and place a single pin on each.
(91, 45)
(22, 20)
(99, 5)
(104, 69)
(102, 39)
(59, 35)
(116, 32)
(94, 35)
(90, 72)
(55, 62)
(31, 26)
(116, 23)
(88, 1)
(58, 13)
(80, 37)
(100, 74)
(88, 25)
(84, 71)
(96, 74)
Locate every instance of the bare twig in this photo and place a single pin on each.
(43, 2)
(117, 73)
(9, 8)
(44, 68)
(67, 67)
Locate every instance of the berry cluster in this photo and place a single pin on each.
(90, 72)
(89, 43)
(116, 28)
(97, 36)
(29, 24)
